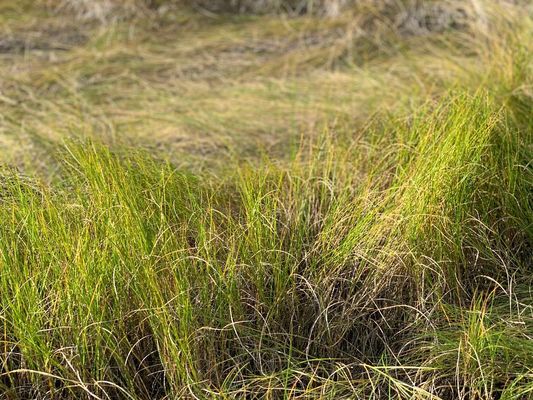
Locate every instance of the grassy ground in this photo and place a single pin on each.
(203, 205)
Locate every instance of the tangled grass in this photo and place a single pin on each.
(258, 207)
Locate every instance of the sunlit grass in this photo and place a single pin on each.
(214, 206)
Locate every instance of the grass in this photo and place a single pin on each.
(243, 206)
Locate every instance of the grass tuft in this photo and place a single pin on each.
(268, 207)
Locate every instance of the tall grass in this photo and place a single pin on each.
(130, 278)
(387, 261)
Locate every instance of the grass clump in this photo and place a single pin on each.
(323, 278)
(386, 254)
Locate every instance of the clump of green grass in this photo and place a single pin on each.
(385, 255)
(128, 278)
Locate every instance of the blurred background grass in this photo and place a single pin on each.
(197, 86)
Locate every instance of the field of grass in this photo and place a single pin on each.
(289, 203)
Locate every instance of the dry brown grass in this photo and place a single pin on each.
(210, 87)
